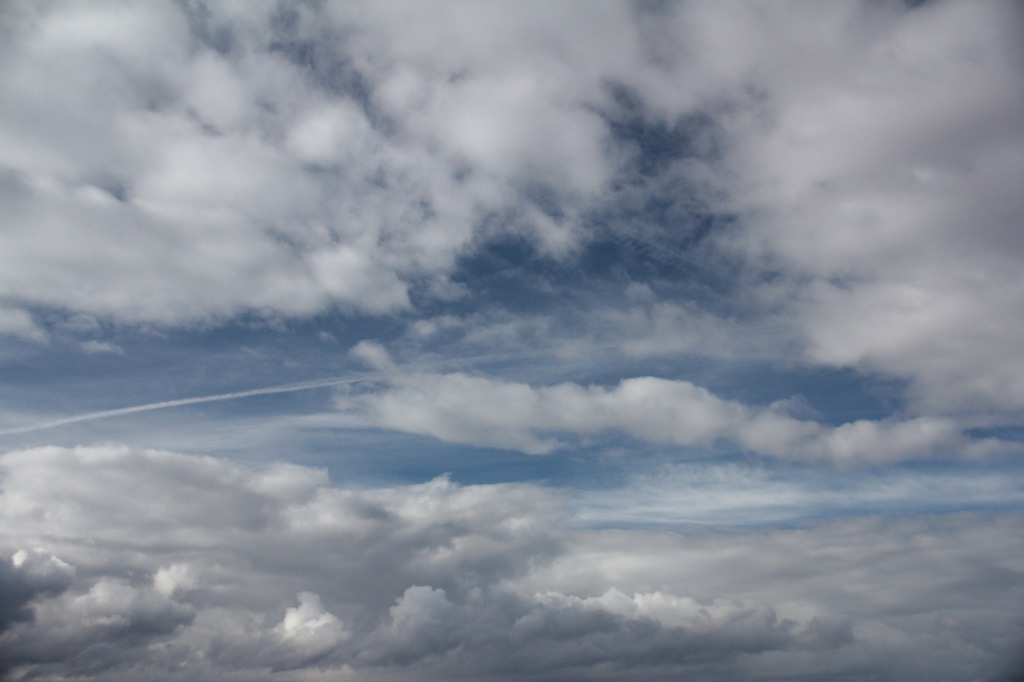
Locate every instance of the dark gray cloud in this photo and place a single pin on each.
(166, 566)
(25, 576)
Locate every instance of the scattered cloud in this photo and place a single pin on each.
(399, 140)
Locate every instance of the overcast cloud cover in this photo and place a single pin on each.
(518, 340)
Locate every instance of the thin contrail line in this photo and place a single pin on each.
(121, 411)
(283, 388)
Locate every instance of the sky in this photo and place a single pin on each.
(392, 341)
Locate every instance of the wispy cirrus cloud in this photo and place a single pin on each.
(390, 154)
(752, 494)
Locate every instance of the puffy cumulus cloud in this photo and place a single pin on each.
(187, 163)
(189, 191)
(511, 90)
(440, 581)
(874, 164)
(490, 412)
(866, 150)
(190, 161)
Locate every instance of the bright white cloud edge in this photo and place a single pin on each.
(483, 411)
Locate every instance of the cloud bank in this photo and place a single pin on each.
(202, 569)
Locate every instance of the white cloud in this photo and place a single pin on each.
(188, 165)
(879, 171)
(212, 568)
(94, 347)
(110, 605)
(202, 183)
(175, 578)
(349, 275)
(310, 627)
(483, 411)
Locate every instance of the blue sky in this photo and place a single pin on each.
(450, 340)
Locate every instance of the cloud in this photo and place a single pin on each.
(25, 576)
(744, 494)
(856, 161)
(489, 412)
(278, 162)
(878, 187)
(17, 322)
(100, 347)
(310, 629)
(586, 216)
(212, 568)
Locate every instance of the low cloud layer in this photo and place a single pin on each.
(129, 565)
(488, 412)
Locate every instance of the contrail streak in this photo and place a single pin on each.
(148, 407)
(284, 388)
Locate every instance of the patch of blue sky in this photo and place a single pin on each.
(178, 366)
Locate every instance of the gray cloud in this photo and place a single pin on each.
(204, 568)
(26, 575)
(25, 578)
